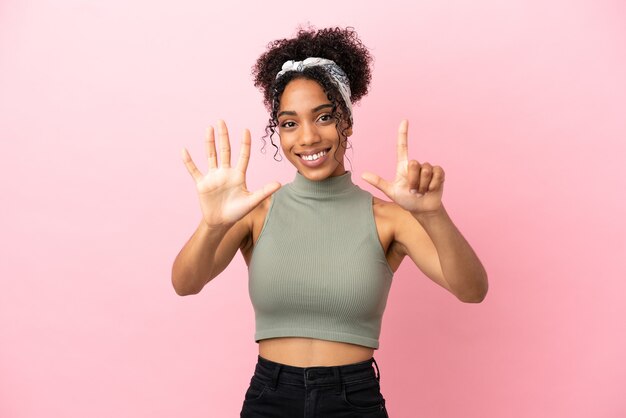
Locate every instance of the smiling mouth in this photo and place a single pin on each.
(314, 157)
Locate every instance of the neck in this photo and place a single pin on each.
(330, 186)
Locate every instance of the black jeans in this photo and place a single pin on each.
(277, 390)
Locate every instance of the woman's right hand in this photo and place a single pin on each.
(224, 197)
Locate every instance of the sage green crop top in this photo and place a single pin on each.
(318, 269)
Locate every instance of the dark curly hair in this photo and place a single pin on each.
(341, 45)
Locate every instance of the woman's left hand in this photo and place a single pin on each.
(418, 188)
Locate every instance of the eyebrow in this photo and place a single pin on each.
(315, 109)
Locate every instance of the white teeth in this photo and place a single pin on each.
(314, 157)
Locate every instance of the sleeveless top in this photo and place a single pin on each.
(318, 268)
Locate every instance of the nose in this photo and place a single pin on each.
(310, 134)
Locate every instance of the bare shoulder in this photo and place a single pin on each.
(408, 237)
(384, 207)
(254, 221)
(386, 216)
(391, 213)
(258, 215)
(398, 223)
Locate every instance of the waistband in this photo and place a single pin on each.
(271, 372)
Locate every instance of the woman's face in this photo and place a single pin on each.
(308, 131)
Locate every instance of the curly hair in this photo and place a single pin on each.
(341, 45)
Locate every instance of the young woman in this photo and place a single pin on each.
(321, 252)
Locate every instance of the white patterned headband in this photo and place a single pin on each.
(337, 75)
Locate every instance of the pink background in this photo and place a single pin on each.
(522, 102)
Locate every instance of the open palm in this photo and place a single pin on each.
(224, 197)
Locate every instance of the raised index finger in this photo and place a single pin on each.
(403, 149)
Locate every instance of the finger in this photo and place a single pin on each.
(438, 178)
(244, 152)
(426, 174)
(191, 167)
(378, 182)
(402, 147)
(209, 145)
(258, 196)
(413, 176)
(222, 132)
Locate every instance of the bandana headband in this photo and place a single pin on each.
(337, 75)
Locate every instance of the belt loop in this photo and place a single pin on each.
(377, 370)
(275, 373)
(338, 379)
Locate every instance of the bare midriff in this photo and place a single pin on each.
(310, 352)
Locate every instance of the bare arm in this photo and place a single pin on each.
(207, 253)
(225, 203)
(423, 229)
(439, 249)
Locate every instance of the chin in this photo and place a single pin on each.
(318, 175)
(314, 176)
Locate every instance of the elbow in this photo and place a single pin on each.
(180, 291)
(476, 294)
(181, 288)
(474, 298)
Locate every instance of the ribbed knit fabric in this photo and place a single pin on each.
(318, 269)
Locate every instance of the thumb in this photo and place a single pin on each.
(378, 182)
(258, 196)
